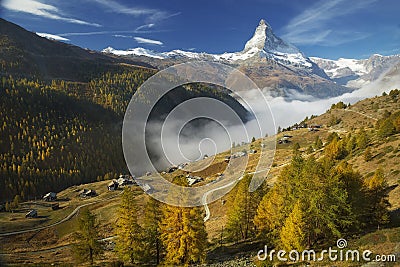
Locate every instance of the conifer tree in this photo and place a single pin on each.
(241, 212)
(318, 143)
(351, 182)
(236, 225)
(87, 246)
(362, 139)
(152, 235)
(378, 202)
(396, 123)
(293, 233)
(351, 143)
(183, 235)
(335, 149)
(16, 201)
(270, 214)
(129, 232)
(386, 128)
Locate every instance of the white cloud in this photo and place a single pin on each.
(162, 15)
(86, 33)
(114, 33)
(43, 10)
(147, 41)
(118, 8)
(312, 26)
(145, 26)
(122, 36)
(153, 15)
(52, 36)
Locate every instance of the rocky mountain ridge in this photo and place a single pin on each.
(279, 68)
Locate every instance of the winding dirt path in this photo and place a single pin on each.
(362, 114)
(75, 211)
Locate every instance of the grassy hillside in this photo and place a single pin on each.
(365, 117)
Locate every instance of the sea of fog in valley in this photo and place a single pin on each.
(191, 143)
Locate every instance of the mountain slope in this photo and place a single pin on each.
(25, 52)
(276, 66)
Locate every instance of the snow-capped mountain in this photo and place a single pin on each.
(263, 44)
(265, 39)
(272, 63)
(357, 72)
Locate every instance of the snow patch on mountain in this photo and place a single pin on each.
(139, 51)
(340, 67)
(52, 36)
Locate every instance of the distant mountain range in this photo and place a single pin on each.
(355, 73)
(279, 67)
(263, 44)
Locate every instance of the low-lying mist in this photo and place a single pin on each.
(296, 106)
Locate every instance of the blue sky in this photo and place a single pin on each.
(330, 29)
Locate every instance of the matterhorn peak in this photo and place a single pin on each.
(265, 39)
(263, 22)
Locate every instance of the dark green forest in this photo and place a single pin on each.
(57, 134)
